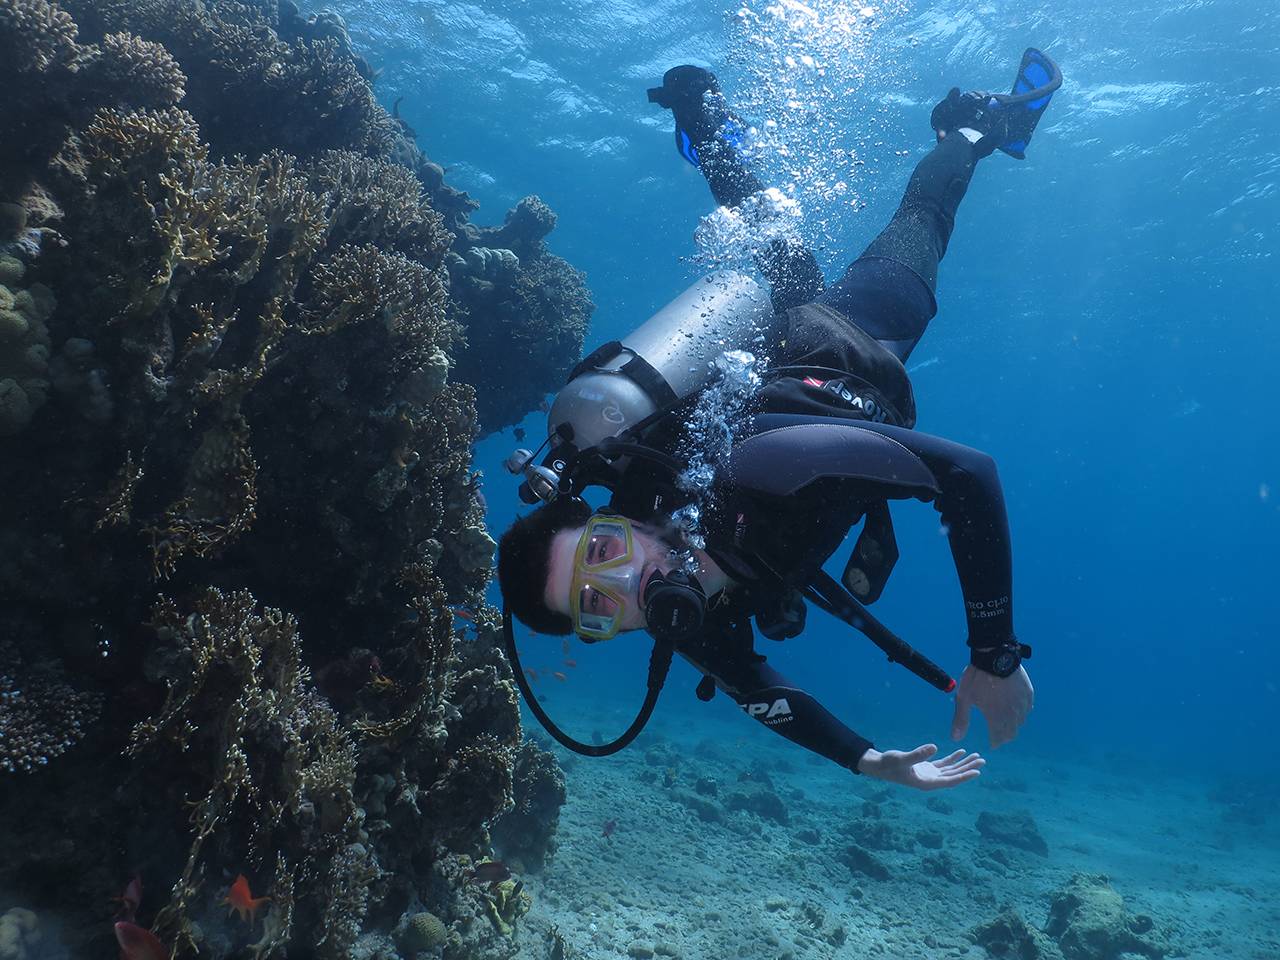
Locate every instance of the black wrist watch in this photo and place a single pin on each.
(1003, 660)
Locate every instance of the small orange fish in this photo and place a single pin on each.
(559, 676)
(242, 901)
(139, 944)
(465, 614)
(570, 663)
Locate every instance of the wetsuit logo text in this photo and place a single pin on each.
(779, 711)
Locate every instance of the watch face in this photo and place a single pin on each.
(1005, 664)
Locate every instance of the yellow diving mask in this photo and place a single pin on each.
(607, 568)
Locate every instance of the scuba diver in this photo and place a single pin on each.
(826, 442)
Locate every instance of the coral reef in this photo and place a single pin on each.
(41, 717)
(24, 349)
(526, 835)
(420, 931)
(1087, 921)
(302, 92)
(235, 441)
(525, 311)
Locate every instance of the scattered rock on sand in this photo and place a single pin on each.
(1009, 937)
(761, 801)
(863, 861)
(708, 811)
(1013, 829)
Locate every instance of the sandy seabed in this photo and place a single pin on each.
(668, 882)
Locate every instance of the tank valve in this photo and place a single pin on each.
(518, 460)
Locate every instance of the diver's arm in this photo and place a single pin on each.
(774, 700)
(971, 502)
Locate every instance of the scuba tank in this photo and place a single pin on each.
(596, 428)
(624, 385)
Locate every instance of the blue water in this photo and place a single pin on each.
(1108, 327)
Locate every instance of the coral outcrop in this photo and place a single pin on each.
(525, 311)
(235, 442)
(1087, 921)
(526, 835)
(24, 349)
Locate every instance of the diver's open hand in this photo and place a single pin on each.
(916, 769)
(1004, 701)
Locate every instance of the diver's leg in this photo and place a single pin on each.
(889, 291)
(710, 137)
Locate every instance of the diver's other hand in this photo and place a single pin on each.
(1004, 701)
(916, 769)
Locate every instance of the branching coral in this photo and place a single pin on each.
(302, 95)
(140, 73)
(281, 768)
(373, 201)
(64, 82)
(527, 834)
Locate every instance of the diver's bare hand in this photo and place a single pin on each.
(1004, 701)
(917, 769)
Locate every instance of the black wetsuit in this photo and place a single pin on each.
(865, 326)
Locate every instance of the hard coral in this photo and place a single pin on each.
(525, 329)
(64, 81)
(138, 72)
(41, 717)
(527, 832)
(24, 355)
(420, 931)
(376, 202)
(301, 95)
(280, 768)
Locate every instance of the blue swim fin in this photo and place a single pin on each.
(1038, 77)
(702, 118)
(1005, 120)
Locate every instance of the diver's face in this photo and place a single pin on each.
(651, 555)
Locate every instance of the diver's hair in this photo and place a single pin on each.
(524, 563)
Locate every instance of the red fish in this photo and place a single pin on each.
(138, 944)
(129, 900)
(559, 676)
(465, 614)
(242, 901)
(609, 827)
(570, 663)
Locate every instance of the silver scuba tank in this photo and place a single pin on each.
(667, 359)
